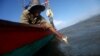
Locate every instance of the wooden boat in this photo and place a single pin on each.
(18, 39)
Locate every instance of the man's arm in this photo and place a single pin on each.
(24, 17)
(47, 25)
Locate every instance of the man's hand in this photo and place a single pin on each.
(45, 25)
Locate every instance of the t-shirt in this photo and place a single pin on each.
(28, 18)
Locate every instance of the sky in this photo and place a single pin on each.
(66, 12)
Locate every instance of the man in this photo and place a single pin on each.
(32, 16)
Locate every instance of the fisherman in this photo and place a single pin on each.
(33, 17)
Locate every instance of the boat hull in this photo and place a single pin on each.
(30, 49)
(21, 39)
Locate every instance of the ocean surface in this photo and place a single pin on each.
(83, 39)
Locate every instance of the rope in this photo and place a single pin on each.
(49, 12)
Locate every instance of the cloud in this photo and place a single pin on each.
(59, 24)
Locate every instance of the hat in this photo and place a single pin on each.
(37, 7)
